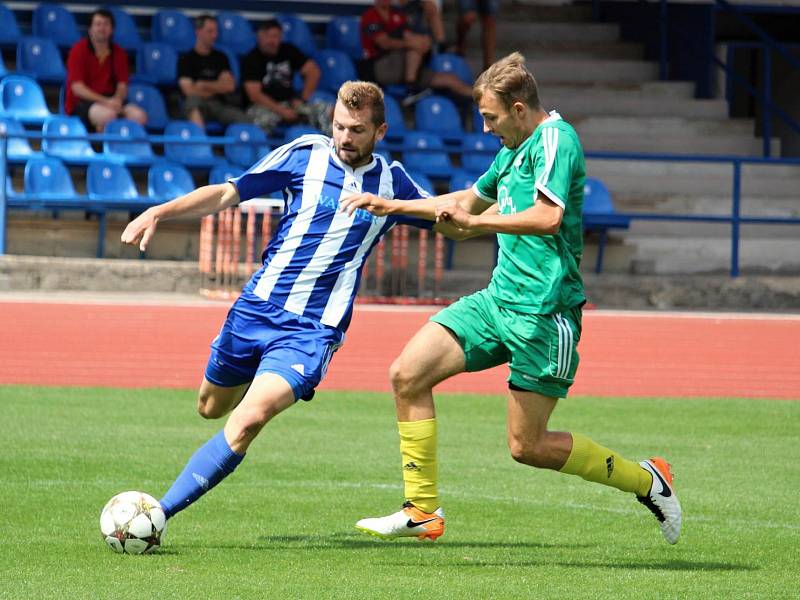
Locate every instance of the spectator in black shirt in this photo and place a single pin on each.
(206, 81)
(268, 73)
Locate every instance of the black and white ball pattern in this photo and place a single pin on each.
(132, 523)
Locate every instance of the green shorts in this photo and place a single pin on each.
(541, 350)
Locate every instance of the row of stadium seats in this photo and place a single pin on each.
(56, 23)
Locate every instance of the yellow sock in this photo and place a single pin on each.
(595, 463)
(420, 472)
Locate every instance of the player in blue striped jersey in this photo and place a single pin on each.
(280, 335)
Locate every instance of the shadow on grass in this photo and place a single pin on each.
(664, 565)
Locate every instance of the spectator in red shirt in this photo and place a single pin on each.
(97, 77)
(396, 54)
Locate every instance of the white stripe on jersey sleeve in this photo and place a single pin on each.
(280, 153)
(313, 181)
(324, 255)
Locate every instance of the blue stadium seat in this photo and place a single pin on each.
(38, 57)
(336, 68)
(191, 155)
(9, 28)
(437, 114)
(135, 152)
(56, 23)
(156, 63)
(72, 151)
(166, 181)
(478, 151)
(235, 32)
(174, 28)
(22, 98)
(477, 120)
(344, 34)
(222, 172)
(425, 153)
(233, 61)
(48, 179)
(452, 63)
(253, 144)
(19, 150)
(111, 183)
(149, 99)
(126, 34)
(423, 181)
(600, 215)
(295, 131)
(394, 118)
(11, 193)
(462, 180)
(384, 149)
(297, 33)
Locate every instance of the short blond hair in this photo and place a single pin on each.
(510, 80)
(359, 95)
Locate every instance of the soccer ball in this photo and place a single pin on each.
(132, 523)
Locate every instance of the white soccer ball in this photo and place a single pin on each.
(133, 523)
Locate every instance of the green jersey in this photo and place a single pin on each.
(539, 274)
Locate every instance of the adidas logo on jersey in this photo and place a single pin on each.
(299, 368)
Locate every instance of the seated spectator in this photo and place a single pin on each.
(268, 74)
(206, 81)
(395, 54)
(468, 11)
(425, 16)
(97, 77)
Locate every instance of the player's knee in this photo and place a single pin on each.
(207, 408)
(404, 380)
(527, 452)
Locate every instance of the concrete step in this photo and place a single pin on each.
(565, 71)
(723, 144)
(665, 254)
(520, 32)
(708, 205)
(535, 49)
(624, 103)
(697, 179)
(662, 126)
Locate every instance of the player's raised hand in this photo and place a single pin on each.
(370, 202)
(141, 229)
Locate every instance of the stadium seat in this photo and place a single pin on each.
(136, 152)
(22, 98)
(111, 183)
(38, 57)
(191, 155)
(18, 148)
(149, 99)
(336, 68)
(425, 153)
(166, 181)
(174, 28)
(221, 173)
(462, 180)
(477, 120)
(423, 181)
(9, 28)
(235, 32)
(252, 147)
(394, 118)
(233, 61)
(157, 64)
(437, 114)
(452, 63)
(56, 23)
(126, 34)
(297, 33)
(384, 149)
(295, 131)
(600, 215)
(478, 151)
(344, 34)
(71, 151)
(48, 179)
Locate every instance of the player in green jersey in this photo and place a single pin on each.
(529, 316)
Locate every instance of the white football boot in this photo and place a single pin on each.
(662, 500)
(409, 522)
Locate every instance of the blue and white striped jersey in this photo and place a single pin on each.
(312, 265)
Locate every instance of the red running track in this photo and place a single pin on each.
(622, 354)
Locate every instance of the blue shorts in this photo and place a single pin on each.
(259, 337)
(483, 7)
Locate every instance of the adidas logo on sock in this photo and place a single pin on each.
(610, 465)
(411, 466)
(201, 480)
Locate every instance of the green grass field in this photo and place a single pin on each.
(282, 525)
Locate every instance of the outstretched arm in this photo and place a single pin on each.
(203, 201)
(423, 208)
(543, 218)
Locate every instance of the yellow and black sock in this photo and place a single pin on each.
(593, 462)
(420, 471)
